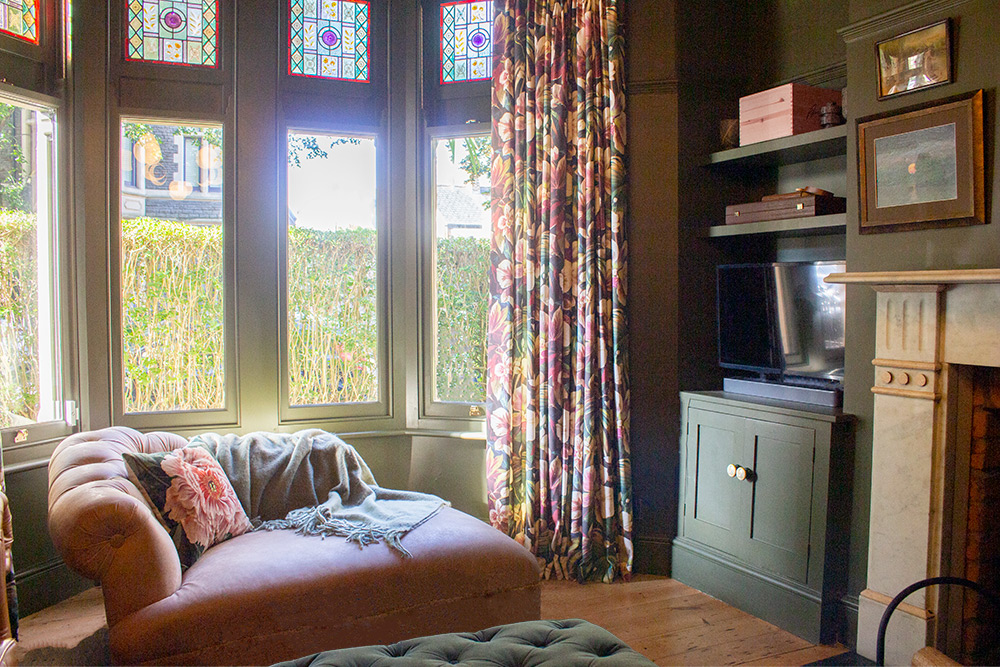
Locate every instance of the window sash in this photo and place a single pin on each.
(55, 416)
(227, 412)
(379, 407)
(432, 407)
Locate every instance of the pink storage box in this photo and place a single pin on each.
(790, 109)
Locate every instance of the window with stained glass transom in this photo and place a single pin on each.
(178, 32)
(466, 41)
(328, 39)
(20, 19)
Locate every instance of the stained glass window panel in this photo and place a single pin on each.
(466, 41)
(178, 32)
(20, 19)
(328, 39)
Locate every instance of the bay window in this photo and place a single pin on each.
(298, 216)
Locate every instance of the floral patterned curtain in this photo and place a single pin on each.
(557, 391)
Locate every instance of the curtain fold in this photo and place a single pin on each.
(557, 391)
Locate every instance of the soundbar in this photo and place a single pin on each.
(827, 397)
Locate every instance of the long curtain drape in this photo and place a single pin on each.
(557, 390)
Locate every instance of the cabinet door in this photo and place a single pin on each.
(777, 497)
(712, 498)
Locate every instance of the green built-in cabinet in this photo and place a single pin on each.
(763, 507)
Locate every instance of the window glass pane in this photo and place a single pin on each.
(332, 270)
(29, 341)
(328, 39)
(179, 32)
(20, 19)
(461, 267)
(192, 172)
(466, 41)
(128, 163)
(172, 270)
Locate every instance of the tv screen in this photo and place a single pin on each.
(781, 319)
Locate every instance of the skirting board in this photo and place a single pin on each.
(799, 611)
(652, 556)
(43, 587)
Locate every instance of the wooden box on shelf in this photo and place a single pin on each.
(804, 206)
(790, 109)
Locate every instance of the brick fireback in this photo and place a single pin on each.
(982, 558)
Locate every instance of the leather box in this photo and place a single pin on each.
(779, 209)
(790, 109)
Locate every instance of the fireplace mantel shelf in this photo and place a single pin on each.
(938, 277)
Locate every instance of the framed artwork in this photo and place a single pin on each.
(923, 167)
(914, 60)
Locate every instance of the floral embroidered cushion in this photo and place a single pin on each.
(192, 497)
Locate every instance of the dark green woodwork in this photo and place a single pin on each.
(784, 150)
(711, 512)
(773, 527)
(778, 503)
(794, 608)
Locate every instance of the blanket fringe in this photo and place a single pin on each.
(314, 521)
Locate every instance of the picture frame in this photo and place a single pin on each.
(915, 60)
(922, 167)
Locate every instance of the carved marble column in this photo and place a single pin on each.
(907, 376)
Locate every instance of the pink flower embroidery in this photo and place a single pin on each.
(201, 499)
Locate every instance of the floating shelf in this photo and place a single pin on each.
(820, 224)
(785, 150)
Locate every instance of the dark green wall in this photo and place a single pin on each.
(651, 108)
(977, 65)
(688, 64)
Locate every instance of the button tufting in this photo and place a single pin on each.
(606, 651)
(117, 540)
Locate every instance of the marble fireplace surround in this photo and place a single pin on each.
(931, 326)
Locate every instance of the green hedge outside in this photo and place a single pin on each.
(173, 313)
(18, 318)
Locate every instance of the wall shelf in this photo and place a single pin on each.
(820, 224)
(784, 150)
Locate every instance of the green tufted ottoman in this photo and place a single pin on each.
(567, 643)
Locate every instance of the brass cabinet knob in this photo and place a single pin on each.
(731, 470)
(741, 473)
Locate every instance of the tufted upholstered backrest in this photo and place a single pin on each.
(536, 643)
(101, 524)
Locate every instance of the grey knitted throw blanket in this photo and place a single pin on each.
(316, 484)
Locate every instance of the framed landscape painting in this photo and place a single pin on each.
(923, 167)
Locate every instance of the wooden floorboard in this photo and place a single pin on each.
(668, 622)
(673, 624)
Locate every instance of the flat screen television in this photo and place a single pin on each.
(780, 321)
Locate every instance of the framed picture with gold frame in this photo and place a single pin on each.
(923, 167)
(915, 60)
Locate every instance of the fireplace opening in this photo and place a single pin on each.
(980, 619)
